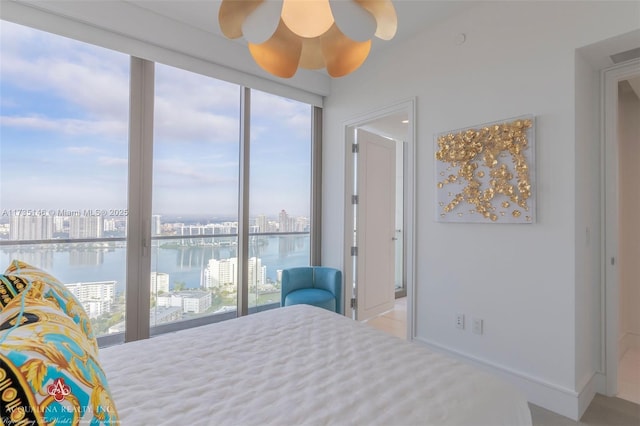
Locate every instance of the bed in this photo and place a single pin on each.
(300, 365)
(293, 365)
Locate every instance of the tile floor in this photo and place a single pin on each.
(629, 376)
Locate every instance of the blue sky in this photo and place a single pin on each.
(63, 134)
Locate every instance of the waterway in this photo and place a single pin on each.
(184, 261)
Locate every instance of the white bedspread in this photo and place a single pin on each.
(300, 365)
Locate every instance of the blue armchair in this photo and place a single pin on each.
(313, 285)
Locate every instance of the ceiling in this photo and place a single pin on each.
(413, 15)
(394, 125)
(139, 19)
(136, 18)
(634, 85)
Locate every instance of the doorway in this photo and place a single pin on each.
(394, 128)
(621, 231)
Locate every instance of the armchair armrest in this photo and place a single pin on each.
(329, 279)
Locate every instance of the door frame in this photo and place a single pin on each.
(409, 189)
(609, 212)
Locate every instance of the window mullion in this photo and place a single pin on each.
(316, 187)
(243, 202)
(139, 202)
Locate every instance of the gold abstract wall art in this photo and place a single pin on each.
(485, 173)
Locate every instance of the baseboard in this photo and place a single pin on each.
(564, 401)
(596, 384)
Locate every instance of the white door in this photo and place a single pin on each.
(375, 225)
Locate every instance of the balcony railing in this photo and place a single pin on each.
(91, 260)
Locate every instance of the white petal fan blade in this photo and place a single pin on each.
(354, 21)
(262, 22)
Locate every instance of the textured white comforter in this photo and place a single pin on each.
(300, 365)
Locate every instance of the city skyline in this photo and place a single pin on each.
(42, 226)
(64, 134)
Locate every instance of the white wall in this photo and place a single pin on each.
(629, 176)
(519, 58)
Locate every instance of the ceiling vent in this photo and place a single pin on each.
(626, 56)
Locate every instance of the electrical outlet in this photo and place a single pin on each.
(477, 325)
(460, 321)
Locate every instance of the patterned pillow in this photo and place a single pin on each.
(43, 285)
(48, 371)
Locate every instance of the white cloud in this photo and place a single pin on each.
(67, 126)
(176, 121)
(95, 82)
(88, 88)
(101, 92)
(60, 192)
(81, 150)
(295, 115)
(186, 175)
(94, 79)
(185, 88)
(191, 107)
(112, 161)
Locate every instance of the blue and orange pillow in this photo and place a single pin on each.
(49, 367)
(43, 285)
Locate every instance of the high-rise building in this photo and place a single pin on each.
(283, 220)
(159, 282)
(95, 308)
(262, 223)
(4, 230)
(226, 228)
(156, 225)
(31, 228)
(195, 302)
(302, 224)
(96, 297)
(110, 225)
(86, 226)
(257, 272)
(223, 272)
(289, 224)
(59, 224)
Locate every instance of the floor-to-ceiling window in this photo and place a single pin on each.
(279, 194)
(63, 165)
(64, 183)
(195, 196)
